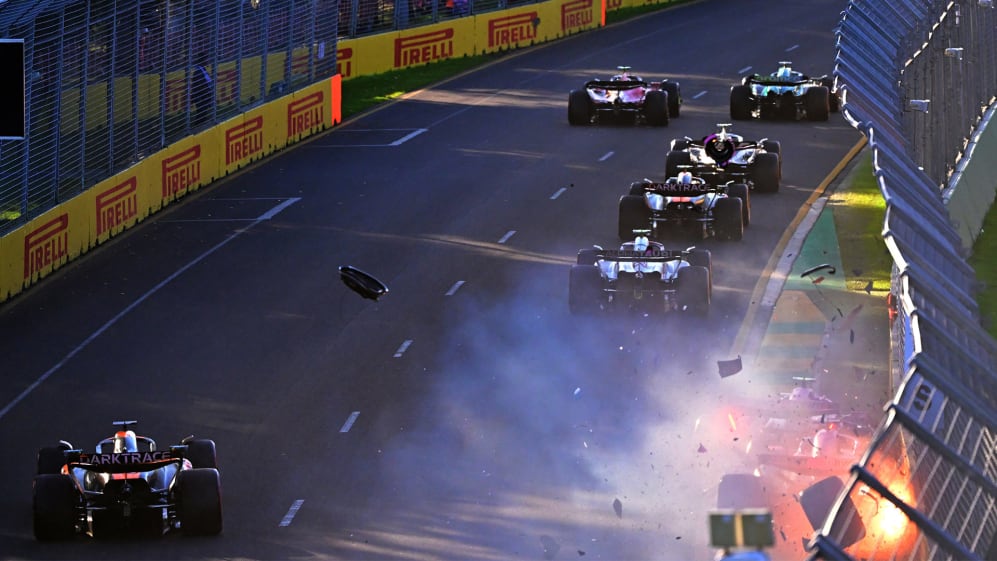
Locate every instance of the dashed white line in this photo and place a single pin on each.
(404, 347)
(286, 521)
(743, 70)
(606, 156)
(453, 289)
(507, 235)
(699, 95)
(408, 137)
(349, 422)
(93, 336)
(558, 193)
(793, 48)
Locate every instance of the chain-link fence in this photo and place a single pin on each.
(111, 81)
(919, 80)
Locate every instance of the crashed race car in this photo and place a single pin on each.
(625, 95)
(127, 485)
(688, 204)
(784, 94)
(641, 274)
(723, 157)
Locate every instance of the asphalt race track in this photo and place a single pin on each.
(465, 415)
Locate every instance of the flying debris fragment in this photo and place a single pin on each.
(868, 287)
(830, 270)
(362, 283)
(729, 367)
(618, 508)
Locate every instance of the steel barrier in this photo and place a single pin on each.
(919, 79)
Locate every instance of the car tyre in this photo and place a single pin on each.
(200, 502)
(587, 256)
(674, 98)
(693, 289)
(674, 162)
(740, 191)
(55, 501)
(818, 103)
(765, 173)
(579, 108)
(740, 102)
(634, 215)
(728, 217)
(702, 258)
(51, 459)
(584, 289)
(201, 453)
(656, 108)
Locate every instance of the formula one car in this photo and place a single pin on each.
(688, 203)
(641, 272)
(628, 95)
(784, 94)
(724, 156)
(127, 485)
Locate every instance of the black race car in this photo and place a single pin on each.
(784, 94)
(687, 203)
(625, 95)
(724, 157)
(127, 485)
(641, 275)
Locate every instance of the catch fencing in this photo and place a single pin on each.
(919, 79)
(108, 82)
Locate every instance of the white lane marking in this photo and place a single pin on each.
(606, 156)
(404, 347)
(349, 422)
(286, 521)
(266, 216)
(408, 137)
(558, 193)
(699, 95)
(743, 70)
(507, 235)
(93, 336)
(453, 289)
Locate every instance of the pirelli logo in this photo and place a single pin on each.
(181, 171)
(117, 205)
(510, 30)
(614, 4)
(46, 245)
(305, 114)
(344, 62)
(424, 47)
(575, 14)
(243, 141)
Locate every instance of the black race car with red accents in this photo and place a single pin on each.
(127, 485)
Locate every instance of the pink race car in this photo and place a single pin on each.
(625, 95)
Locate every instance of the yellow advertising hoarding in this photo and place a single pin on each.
(115, 204)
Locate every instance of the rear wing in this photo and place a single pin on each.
(124, 462)
(670, 189)
(615, 85)
(631, 256)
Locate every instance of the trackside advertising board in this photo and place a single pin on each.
(112, 206)
(484, 33)
(117, 203)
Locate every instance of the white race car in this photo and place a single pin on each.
(641, 272)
